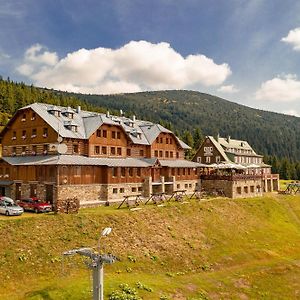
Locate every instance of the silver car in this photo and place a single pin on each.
(9, 208)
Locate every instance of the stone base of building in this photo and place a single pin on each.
(234, 189)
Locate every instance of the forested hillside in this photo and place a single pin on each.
(190, 114)
(269, 133)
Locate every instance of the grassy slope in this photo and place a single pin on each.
(237, 249)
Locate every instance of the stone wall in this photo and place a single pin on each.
(189, 185)
(235, 189)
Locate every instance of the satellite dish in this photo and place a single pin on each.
(59, 139)
(62, 148)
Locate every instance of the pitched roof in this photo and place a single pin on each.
(138, 131)
(236, 144)
(93, 161)
(219, 148)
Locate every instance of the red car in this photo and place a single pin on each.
(34, 204)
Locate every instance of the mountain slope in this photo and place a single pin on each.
(269, 133)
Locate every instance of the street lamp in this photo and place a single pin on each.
(96, 264)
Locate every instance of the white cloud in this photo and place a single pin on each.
(137, 66)
(280, 89)
(230, 89)
(291, 112)
(293, 38)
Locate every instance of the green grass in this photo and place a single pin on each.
(218, 249)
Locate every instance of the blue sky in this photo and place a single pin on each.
(243, 51)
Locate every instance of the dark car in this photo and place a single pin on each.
(34, 204)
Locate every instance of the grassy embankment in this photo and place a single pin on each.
(219, 249)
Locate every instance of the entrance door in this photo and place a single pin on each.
(18, 191)
(2, 191)
(49, 193)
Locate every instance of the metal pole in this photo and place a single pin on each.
(98, 282)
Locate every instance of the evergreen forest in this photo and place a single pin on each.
(191, 115)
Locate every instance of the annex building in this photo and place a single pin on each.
(238, 169)
(54, 153)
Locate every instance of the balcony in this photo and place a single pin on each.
(231, 177)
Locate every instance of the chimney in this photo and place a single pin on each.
(108, 114)
(78, 110)
(228, 139)
(133, 118)
(218, 137)
(121, 113)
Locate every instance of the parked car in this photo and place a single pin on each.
(9, 208)
(35, 204)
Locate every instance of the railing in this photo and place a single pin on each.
(231, 177)
(270, 176)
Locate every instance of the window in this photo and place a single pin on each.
(118, 135)
(104, 150)
(141, 152)
(14, 136)
(114, 172)
(167, 154)
(190, 185)
(33, 116)
(177, 154)
(207, 159)
(115, 190)
(167, 141)
(112, 150)
(33, 133)
(171, 154)
(178, 186)
(157, 140)
(246, 189)
(128, 152)
(239, 190)
(130, 172)
(183, 171)
(119, 151)
(218, 159)
(75, 148)
(133, 190)
(98, 133)
(161, 140)
(252, 188)
(45, 132)
(138, 172)
(45, 149)
(160, 154)
(199, 159)
(97, 150)
(113, 134)
(24, 150)
(23, 118)
(34, 150)
(156, 153)
(24, 134)
(178, 171)
(173, 171)
(122, 190)
(123, 172)
(104, 133)
(171, 141)
(140, 189)
(189, 171)
(186, 185)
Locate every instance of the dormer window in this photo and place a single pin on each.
(68, 112)
(54, 110)
(71, 126)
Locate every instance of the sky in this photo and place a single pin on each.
(246, 51)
